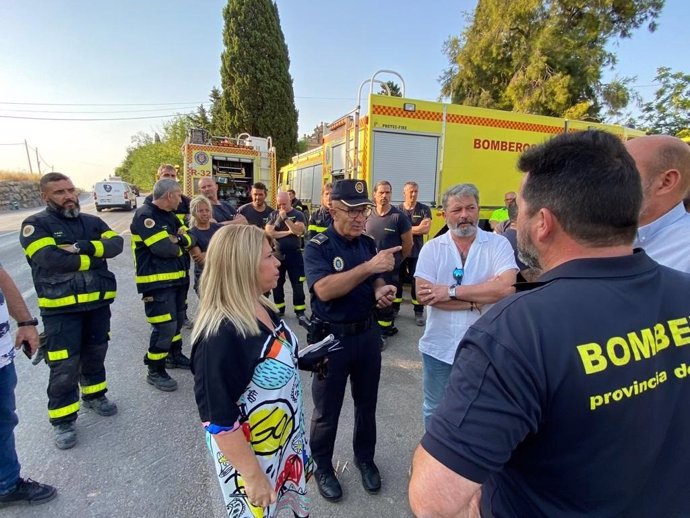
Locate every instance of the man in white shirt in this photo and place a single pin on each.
(664, 165)
(459, 274)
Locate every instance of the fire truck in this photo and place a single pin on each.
(234, 163)
(434, 144)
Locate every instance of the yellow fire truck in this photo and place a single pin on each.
(234, 163)
(435, 144)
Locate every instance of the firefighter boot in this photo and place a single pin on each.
(65, 435)
(177, 360)
(160, 379)
(101, 405)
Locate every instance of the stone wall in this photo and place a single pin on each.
(20, 195)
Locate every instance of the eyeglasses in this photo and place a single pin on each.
(458, 274)
(353, 213)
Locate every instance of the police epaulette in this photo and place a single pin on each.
(319, 239)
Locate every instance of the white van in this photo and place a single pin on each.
(110, 195)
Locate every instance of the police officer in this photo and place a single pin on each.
(420, 218)
(343, 274)
(389, 227)
(161, 243)
(67, 252)
(286, 226)
(321, 218)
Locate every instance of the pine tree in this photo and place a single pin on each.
(257, 95)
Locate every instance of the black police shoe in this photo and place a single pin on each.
(65, 435)
(101, 405)
(161, 380)
(389, 331)
(371, 479)
(177, 361)
(28, 492)
(328, 485)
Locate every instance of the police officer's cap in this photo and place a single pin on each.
(352, 193)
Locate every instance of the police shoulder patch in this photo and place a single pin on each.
(149, 223)
(319, 239)
(338, 264)
(28, 230)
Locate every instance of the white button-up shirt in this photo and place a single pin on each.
(667, 239)
(490, 255)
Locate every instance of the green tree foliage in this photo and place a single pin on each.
(543, 56)
(257, 94)
(669, 112)
(393, 87)
(147, 152)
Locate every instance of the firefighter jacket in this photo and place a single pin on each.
(68, 282)
(182, 210)
(160, 244)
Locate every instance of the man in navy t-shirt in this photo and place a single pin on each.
(569, 399)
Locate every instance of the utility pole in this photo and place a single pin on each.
(28, 157)
(38, 162)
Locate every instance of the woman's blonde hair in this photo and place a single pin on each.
(199, 199)
(229, 288)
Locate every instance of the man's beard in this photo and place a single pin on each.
(463, 230)
(70, 213)
(527, 253)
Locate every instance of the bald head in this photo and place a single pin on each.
(283, 201)
(664, 165)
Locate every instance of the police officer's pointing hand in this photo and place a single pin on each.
(384, 260)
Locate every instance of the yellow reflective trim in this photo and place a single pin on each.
(176, 338)
(142, 279)
(159, 236)
(317, 228)
(416, 302)
(65, 410)
(109, 295)
(92, 389)
(62, 354)
(83, 298)
(160, 318)
(38, 244)
(300, 308)
(84, 263)
(397, 301)
(108, 234)
(156, 356)
(136, 238)
(280, 305)
(98, 248)
(385, 323)
(56, 303)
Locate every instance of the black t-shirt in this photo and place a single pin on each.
(291, 242)
(223, 211)
(254, 217)
(511, 235)
(388, 229)
(571, 399)
(419, 213)
(330, 253)
(223, 365)
(203, 238)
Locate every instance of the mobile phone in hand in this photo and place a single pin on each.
(26, 349)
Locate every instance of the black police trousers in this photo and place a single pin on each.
(292, 264)
(165, 312)
(360, 359)
(76, 345)
(406, 273)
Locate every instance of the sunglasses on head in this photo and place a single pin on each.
(458, 274)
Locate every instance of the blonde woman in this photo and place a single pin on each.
(202, 228)
(246, 382)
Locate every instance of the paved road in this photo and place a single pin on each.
(150, 459)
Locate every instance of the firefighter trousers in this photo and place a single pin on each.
(406, 273)
(165, 310)
(76, 345)
(386, 316)
(292, 264)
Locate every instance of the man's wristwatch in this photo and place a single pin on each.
(451, 292)
(32, 322)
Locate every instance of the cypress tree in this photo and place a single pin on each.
(257, 95)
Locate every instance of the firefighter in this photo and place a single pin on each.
(67, 252)
(160, 244)
(286, 226)
(321, 218)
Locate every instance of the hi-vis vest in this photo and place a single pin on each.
(67, 282)
(159, 248)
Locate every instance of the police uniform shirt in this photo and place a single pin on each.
(328, 253)
(223, 211)
(254, 217)
(419, 213)
(387, 229)
(291, 242)
(571, 399)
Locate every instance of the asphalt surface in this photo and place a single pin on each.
(150, 459)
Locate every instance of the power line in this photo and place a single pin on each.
(93, 119)
(85, 112)
(101, 104)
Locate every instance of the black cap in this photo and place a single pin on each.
(352, 193)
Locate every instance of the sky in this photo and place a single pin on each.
(79, 59)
